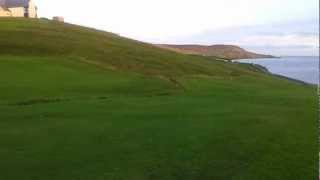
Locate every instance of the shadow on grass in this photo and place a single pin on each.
(39, 101)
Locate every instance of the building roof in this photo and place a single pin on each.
(14, 3)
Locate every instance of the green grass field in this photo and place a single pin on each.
(81, 104)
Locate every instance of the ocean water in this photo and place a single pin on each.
(302, 68)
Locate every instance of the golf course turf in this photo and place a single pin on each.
(82, 104)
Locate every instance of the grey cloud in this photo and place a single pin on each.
(302, 28)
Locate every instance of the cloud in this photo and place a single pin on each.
(295, 40)
(166, 19)
(293, 37)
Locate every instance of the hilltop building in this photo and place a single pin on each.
(18, 8)
(58, 18)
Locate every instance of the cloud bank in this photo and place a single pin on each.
(296, 38)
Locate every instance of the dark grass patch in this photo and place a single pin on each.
(103, 98)
(39, 101)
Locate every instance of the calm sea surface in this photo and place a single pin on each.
(302, 68)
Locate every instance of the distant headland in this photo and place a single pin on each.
(230, 52)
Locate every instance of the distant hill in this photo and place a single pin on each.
(222, 51)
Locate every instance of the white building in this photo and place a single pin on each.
(18, 8)
(58, 18)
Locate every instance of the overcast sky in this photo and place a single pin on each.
(279, 27)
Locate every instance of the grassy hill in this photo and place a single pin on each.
(222, 51)
(77, 103)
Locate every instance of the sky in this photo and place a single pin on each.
(277, 27)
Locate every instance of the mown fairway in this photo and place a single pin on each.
(80, 104)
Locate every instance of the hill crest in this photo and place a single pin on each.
(219, 50)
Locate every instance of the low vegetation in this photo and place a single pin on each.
(82, 104)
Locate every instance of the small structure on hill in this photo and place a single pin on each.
(18, 8)
(58, 18)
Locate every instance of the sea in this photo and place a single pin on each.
(303, 68)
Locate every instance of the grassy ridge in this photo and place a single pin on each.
(76, 103)
(104, 49)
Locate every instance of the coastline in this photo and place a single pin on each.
(267, 71)
(294, 80)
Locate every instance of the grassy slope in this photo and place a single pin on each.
(80, 104)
